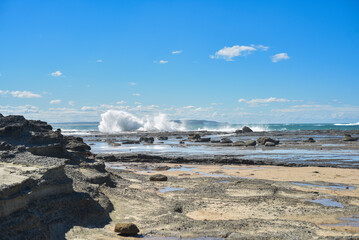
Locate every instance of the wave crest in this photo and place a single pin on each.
(347, 124)
(119, 121)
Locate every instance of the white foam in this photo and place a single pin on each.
(347, 124)
(120, 121)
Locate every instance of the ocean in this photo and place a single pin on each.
(84, 128)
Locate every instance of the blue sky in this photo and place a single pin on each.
(235, 61)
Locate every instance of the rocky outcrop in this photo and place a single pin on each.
(246, 129)
(226, 140)
(349, 138)
(40, 139)
(126, 229)
(49, 183)
(158, 177)
(148, 140)
(251, 143)
(264, 140)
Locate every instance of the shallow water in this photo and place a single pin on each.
(334, 187)
(170, 189)
(328, 202)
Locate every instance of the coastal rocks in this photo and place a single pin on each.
(349, 138)
(158, 177)
(264, 140)
(162, 138)
(194, 136)
(148, 140)
(215, 141)
(250, 143)
(130, 142)
(246, 129)
(310, 140)
(128, 229)
(5, 146)
(226, 140)
(203, 140)
(239, 143)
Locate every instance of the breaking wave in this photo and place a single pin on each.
(114, 121)
(120, 121)
(347, 124)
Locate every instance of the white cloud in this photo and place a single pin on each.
(263, 100)
(136, 94)
(121, 102)
(56, 73)
(228, 53)
(177, 52)
(24, 94)
(71, 103)
(188, 107)
(261, 47)
(99, 60)
(279, 57)
(138, 103)
(55, 101)
(4, 92)
(132, 83)
(163, 61)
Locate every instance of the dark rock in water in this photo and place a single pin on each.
(130, 142)
(226, 140)
(149, 140)
(4, 146)
(158, 177)
(215, 141)
(162, 168)
(179, 137)
(251, 143)
(349, 138)
(246, 129)
(194, 136)
(203, 140)
(127, 229)
(181, 142)
(269, 144)
(238, 143)
(264, 140)
(310, 140)
(162, 138)
(238, 131)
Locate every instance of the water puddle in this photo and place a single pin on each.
(333, 187)
(327, 202)
(182, 168)
(347, 222)
(170, 189)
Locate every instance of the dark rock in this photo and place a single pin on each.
(162, 138)
(263, 140)
(238, 143)
(51, 150)
(238, 131)
(158, 177)
(130, 142)
(149, 140)
(251, 143)
(349, 138)
(226, 140)
(4, 146)
(194, 136)
(162, 168)
(246, 129)
(203, 140)
(181, 142)
(215, 141)
(310, 140)
(178, 208)
(127, 229)
(179, 137)
(76, 144)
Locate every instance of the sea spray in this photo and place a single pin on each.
(119, 121)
